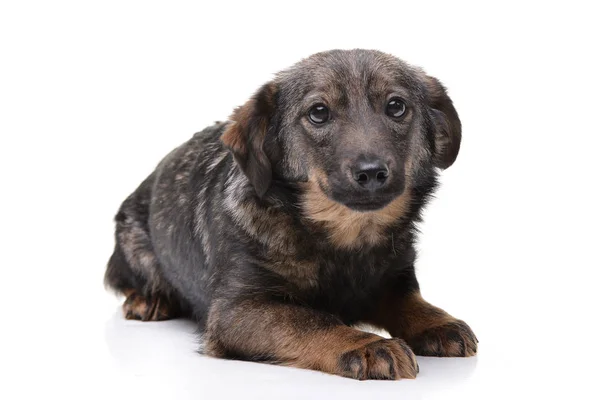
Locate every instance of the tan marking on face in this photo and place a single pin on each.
(347, 228)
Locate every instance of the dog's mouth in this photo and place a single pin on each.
(366, 202)
(352, 199)
(366, 205)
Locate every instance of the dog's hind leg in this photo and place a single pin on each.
(143, 301)
(134, 269)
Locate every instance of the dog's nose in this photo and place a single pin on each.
(371, 175)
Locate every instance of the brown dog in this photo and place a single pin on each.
(280, 229)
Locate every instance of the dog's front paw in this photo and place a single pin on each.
(383, 359)
(453, 339)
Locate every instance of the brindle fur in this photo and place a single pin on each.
(255, 229)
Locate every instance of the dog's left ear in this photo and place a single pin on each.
(447, 124)
(246, 134)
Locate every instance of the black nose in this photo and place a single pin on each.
(371, 175)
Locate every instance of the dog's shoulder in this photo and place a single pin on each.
(193, 155)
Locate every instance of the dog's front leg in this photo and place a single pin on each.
(263, 330)
(428, 330)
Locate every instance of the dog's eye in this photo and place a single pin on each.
(395, 108)
(318, 114)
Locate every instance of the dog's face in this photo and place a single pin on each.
(362, 125)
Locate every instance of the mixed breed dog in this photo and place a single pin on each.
(279, 230)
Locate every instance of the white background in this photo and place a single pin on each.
(93, 94)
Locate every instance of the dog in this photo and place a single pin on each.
(282, 228)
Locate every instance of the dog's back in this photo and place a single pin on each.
(154, 232)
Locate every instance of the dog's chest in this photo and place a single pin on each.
(315, 271)
(346, 285)
(349, 286)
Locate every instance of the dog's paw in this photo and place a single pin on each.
(140, 308)
(454, 339)
(383, 359)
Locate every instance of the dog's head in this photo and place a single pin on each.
(362, 125)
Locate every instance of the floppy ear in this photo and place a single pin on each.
(447, 123)
(245, 137)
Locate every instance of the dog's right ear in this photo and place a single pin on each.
(245, 137)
